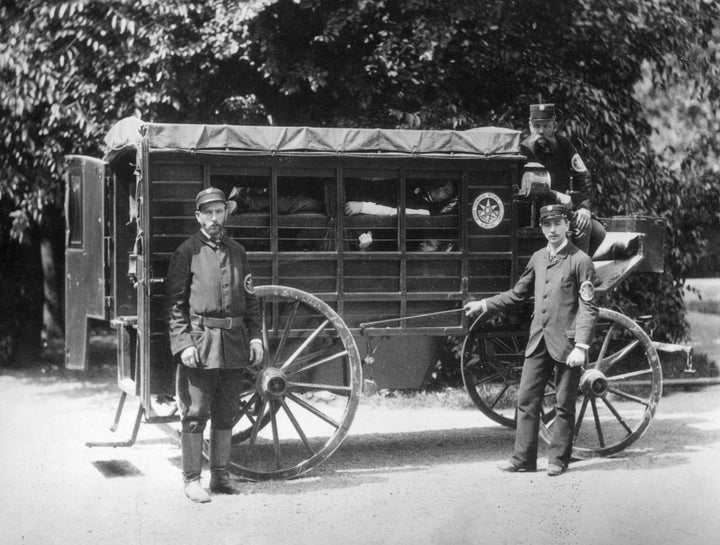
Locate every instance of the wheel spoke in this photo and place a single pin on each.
(263, 318)
(315, 386)
(499, 396)
(630, 375)
(286, 332)
(581, 416)
(255, 430)
(503, 368)
(606, 364)
(276, 439)
(305, 358)
(616, 414)
(305, 344)
(312, 409)
(246, 408)
(297, 427)
(629, 396)
(605, 344)
(550, 393)
(297, 368)
(490, 378)
(504, 346)
(547, 418)
(598, 426)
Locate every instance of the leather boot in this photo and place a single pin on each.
(221, 482)
(192, 444)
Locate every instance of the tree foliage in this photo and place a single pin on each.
(68, 70)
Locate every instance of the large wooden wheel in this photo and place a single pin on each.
(297, 409)
(491, 365)
(619, 390)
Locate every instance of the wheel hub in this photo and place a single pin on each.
(272, 383)
(594, 383)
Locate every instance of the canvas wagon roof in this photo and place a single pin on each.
(485, 141)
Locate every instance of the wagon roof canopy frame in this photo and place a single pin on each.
(483, 141)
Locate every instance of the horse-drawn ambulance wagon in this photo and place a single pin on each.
(340, 316)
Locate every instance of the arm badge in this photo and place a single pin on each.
(577, 163)
(587, 291)
(248, 284)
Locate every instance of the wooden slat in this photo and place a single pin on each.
(371, 284)
(180, 171)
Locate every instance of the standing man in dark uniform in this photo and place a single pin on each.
(215, 332)
(562, 278)
(567, 173)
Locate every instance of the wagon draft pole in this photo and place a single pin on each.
(339, 317)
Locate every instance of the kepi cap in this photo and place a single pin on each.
(542, 111)
(211, 194)
(554, 211)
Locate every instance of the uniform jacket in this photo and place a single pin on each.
(561, 317)
(566, 168)
(212, 280)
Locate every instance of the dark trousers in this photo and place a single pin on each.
(209, 393)
(537, 370)
(590, 239)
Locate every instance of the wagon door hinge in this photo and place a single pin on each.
(108, 250)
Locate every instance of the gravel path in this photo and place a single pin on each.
(403, 476)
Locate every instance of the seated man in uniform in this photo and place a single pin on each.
(568, 173)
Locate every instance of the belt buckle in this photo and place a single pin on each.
(227, 324)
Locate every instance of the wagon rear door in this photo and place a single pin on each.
(85, 254)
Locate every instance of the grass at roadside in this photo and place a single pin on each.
(703, 295)
(703, 315)
(705, 334)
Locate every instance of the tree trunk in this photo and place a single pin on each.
(29, 281)
(50, 257)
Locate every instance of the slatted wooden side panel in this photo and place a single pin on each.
(174, 183)
(362, 286)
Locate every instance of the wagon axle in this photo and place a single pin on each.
(272, 383)
(594, 383)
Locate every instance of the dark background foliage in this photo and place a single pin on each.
(636, 81)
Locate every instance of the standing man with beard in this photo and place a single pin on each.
(215, 334)
(567, 173)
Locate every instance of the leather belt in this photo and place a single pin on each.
(222, 323)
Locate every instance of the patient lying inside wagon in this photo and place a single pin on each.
(300, 203)
(429, 199)
(432, 198)
(241, 200)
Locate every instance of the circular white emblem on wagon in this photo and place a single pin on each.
(488, 210)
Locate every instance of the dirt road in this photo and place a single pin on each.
(403, 476)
